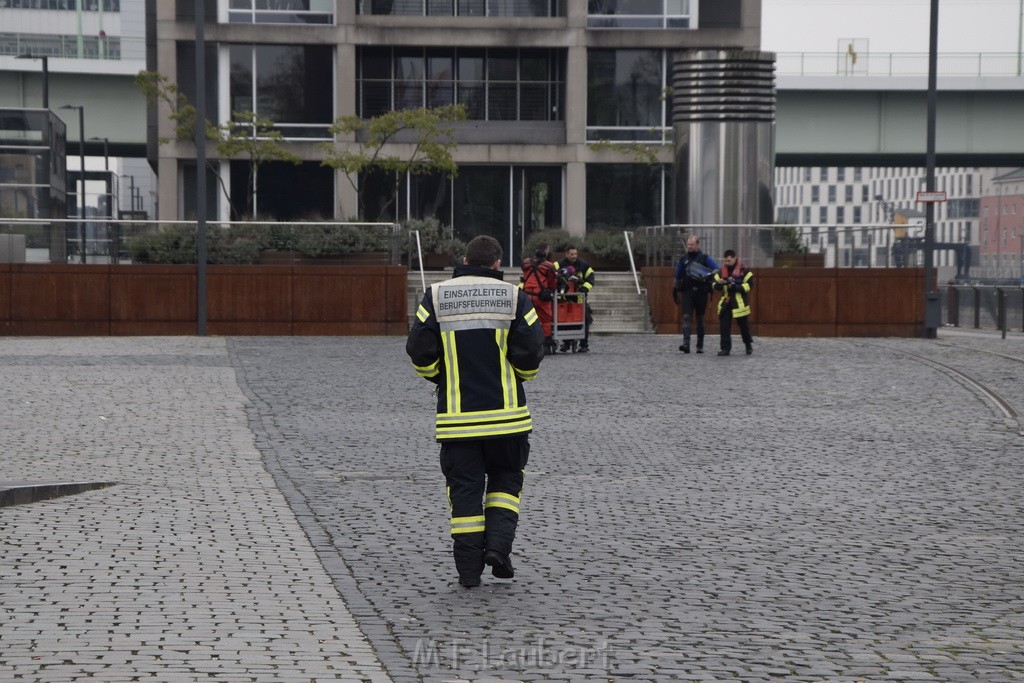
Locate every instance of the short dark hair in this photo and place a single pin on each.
(569, 246)
(728, 253)
(483, 250)
(541, 251)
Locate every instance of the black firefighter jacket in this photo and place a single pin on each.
(478, 339)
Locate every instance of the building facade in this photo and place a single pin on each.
(555, 90)
(865, 216)
(71, 55)
(1002, 226)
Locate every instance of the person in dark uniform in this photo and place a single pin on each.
(584, 282)
(691, 287)
(478, 339)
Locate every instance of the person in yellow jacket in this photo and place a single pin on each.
(478, 339)
(735, 281)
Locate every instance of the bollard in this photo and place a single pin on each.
(1001, 310)
(953, 306)
(977, 308)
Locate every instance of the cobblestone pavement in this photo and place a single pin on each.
(192, 567)
(824, 510)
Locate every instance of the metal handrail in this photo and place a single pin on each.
(632, 263)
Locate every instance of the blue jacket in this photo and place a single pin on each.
(694, 272)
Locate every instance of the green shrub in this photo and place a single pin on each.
(177, 244)
(329, 240)
(555, 238)
(606, 245)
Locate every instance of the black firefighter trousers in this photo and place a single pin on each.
(483, 522)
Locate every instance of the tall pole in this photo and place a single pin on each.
(930, 296)
(200, 134)
(81, 37)
(46, 82)
(1020, 34)
(81, 172)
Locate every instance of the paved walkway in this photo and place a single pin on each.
(824, 510)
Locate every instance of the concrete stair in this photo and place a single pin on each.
(617, 307)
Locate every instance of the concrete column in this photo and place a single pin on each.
(346, 197)
(724, 127)
(576, 188)
(168, 190)
(576, 96)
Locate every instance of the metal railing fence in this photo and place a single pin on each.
(984, 307)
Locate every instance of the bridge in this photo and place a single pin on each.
(834, 109)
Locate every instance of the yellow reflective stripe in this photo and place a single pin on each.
(468, 525)
(506, 496)
(454, 396)
(502, 500)
(484, 415)
(508, 380)
(428, 370)
(527, 375)
(483, 431)
(531, 316)
(422, 314)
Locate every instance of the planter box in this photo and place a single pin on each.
(58, 299)
(799, 259)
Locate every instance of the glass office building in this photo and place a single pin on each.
(558, 94)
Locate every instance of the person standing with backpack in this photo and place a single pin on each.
(691, 287)
(539, 281)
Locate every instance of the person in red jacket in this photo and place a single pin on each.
(539, 280)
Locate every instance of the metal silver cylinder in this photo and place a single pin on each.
(724, 128)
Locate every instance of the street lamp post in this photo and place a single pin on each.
(46, 75)
(106, 151)
(80, 193)
(932, 306)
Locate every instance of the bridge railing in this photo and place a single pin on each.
(70, 47)
(887, 64)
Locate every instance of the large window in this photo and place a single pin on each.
(640, 13)
(509, 203)
(493, 84)
(625, 96)
(284, 191)
(621, 196)
(292, 85)
(464, 8)
(281, 11)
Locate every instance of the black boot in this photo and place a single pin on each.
(500, 564)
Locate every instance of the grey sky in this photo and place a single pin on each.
(889, 25)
